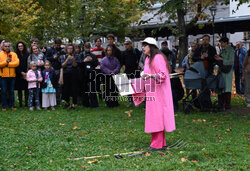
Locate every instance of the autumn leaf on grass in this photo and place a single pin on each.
(61, 124)
(183, 159)
(228, 130)
(129, 113)
(84, 167)
(92, 161)
(75, 127)
(147, 154)
(194, 161)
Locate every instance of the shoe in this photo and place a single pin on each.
(66, 106)
(72, 108)
(155, 149)
(129, 104)
(13, 108)
(52, 108)
(38, 108)
(4, 109)
(31, 108)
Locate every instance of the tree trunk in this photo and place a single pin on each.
(183, 38)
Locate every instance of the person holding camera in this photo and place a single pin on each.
(70, 77)
(88, 64)
(53, 55)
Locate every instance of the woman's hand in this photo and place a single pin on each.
(147, 76)
(218, 58)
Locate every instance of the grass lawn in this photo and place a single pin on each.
(52, 140)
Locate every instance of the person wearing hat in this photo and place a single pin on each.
(130, 63)
(159, 103)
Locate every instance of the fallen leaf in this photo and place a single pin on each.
(5, 159)
(75, 127)
(61, 124)
(92, 161)
(147, 154)
(84, 167)
(76, 149)
(183, 159)
(51, 161)
(129, 115)
(195, 161)
(228, 130)
(219, 170)
(181, 152)
(162, 154)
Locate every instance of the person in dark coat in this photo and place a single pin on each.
(116, 51)
(21, 83)
(88, 63)
(130, 63)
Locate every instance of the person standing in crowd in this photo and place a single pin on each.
(205, 53)
(8, 62)
(88, 63)
(21, 82)
(70, 77)
(34, 79)
(110, 65)
(98, 51)
(169, 54)
(246, 77)
(44, 50)
(225, 60)
(240, 53)
(159, 112)
(116, 50)
(1, 44)
(130, 63)
(53, 55)
(37, 57)
(48, 89)
(78, 50)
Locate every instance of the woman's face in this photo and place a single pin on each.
(77, 50)
(146, 49)
(20, 47)
(223, 44)
(35, 50)
(69, 49)
(109, 51)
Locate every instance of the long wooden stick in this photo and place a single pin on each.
(94, 157)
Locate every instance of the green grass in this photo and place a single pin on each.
(48, 141)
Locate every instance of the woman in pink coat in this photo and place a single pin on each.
(159, 104)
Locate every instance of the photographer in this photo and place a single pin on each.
(53, 55)
(88, 63)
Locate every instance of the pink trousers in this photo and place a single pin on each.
(158, 139)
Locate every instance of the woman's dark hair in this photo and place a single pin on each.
(25, 51)
(98, 39)
(68, 45)
(224, 39)
(109, 46)
(78, 46)
(154, 51)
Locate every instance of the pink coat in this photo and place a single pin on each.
(159, 104)
(31, 77)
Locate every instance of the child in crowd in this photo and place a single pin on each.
(34, 78)
(48, 87)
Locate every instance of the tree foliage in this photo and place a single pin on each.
(67, 19)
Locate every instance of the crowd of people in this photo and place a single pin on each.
(43, 77)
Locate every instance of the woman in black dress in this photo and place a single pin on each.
(21, 83)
